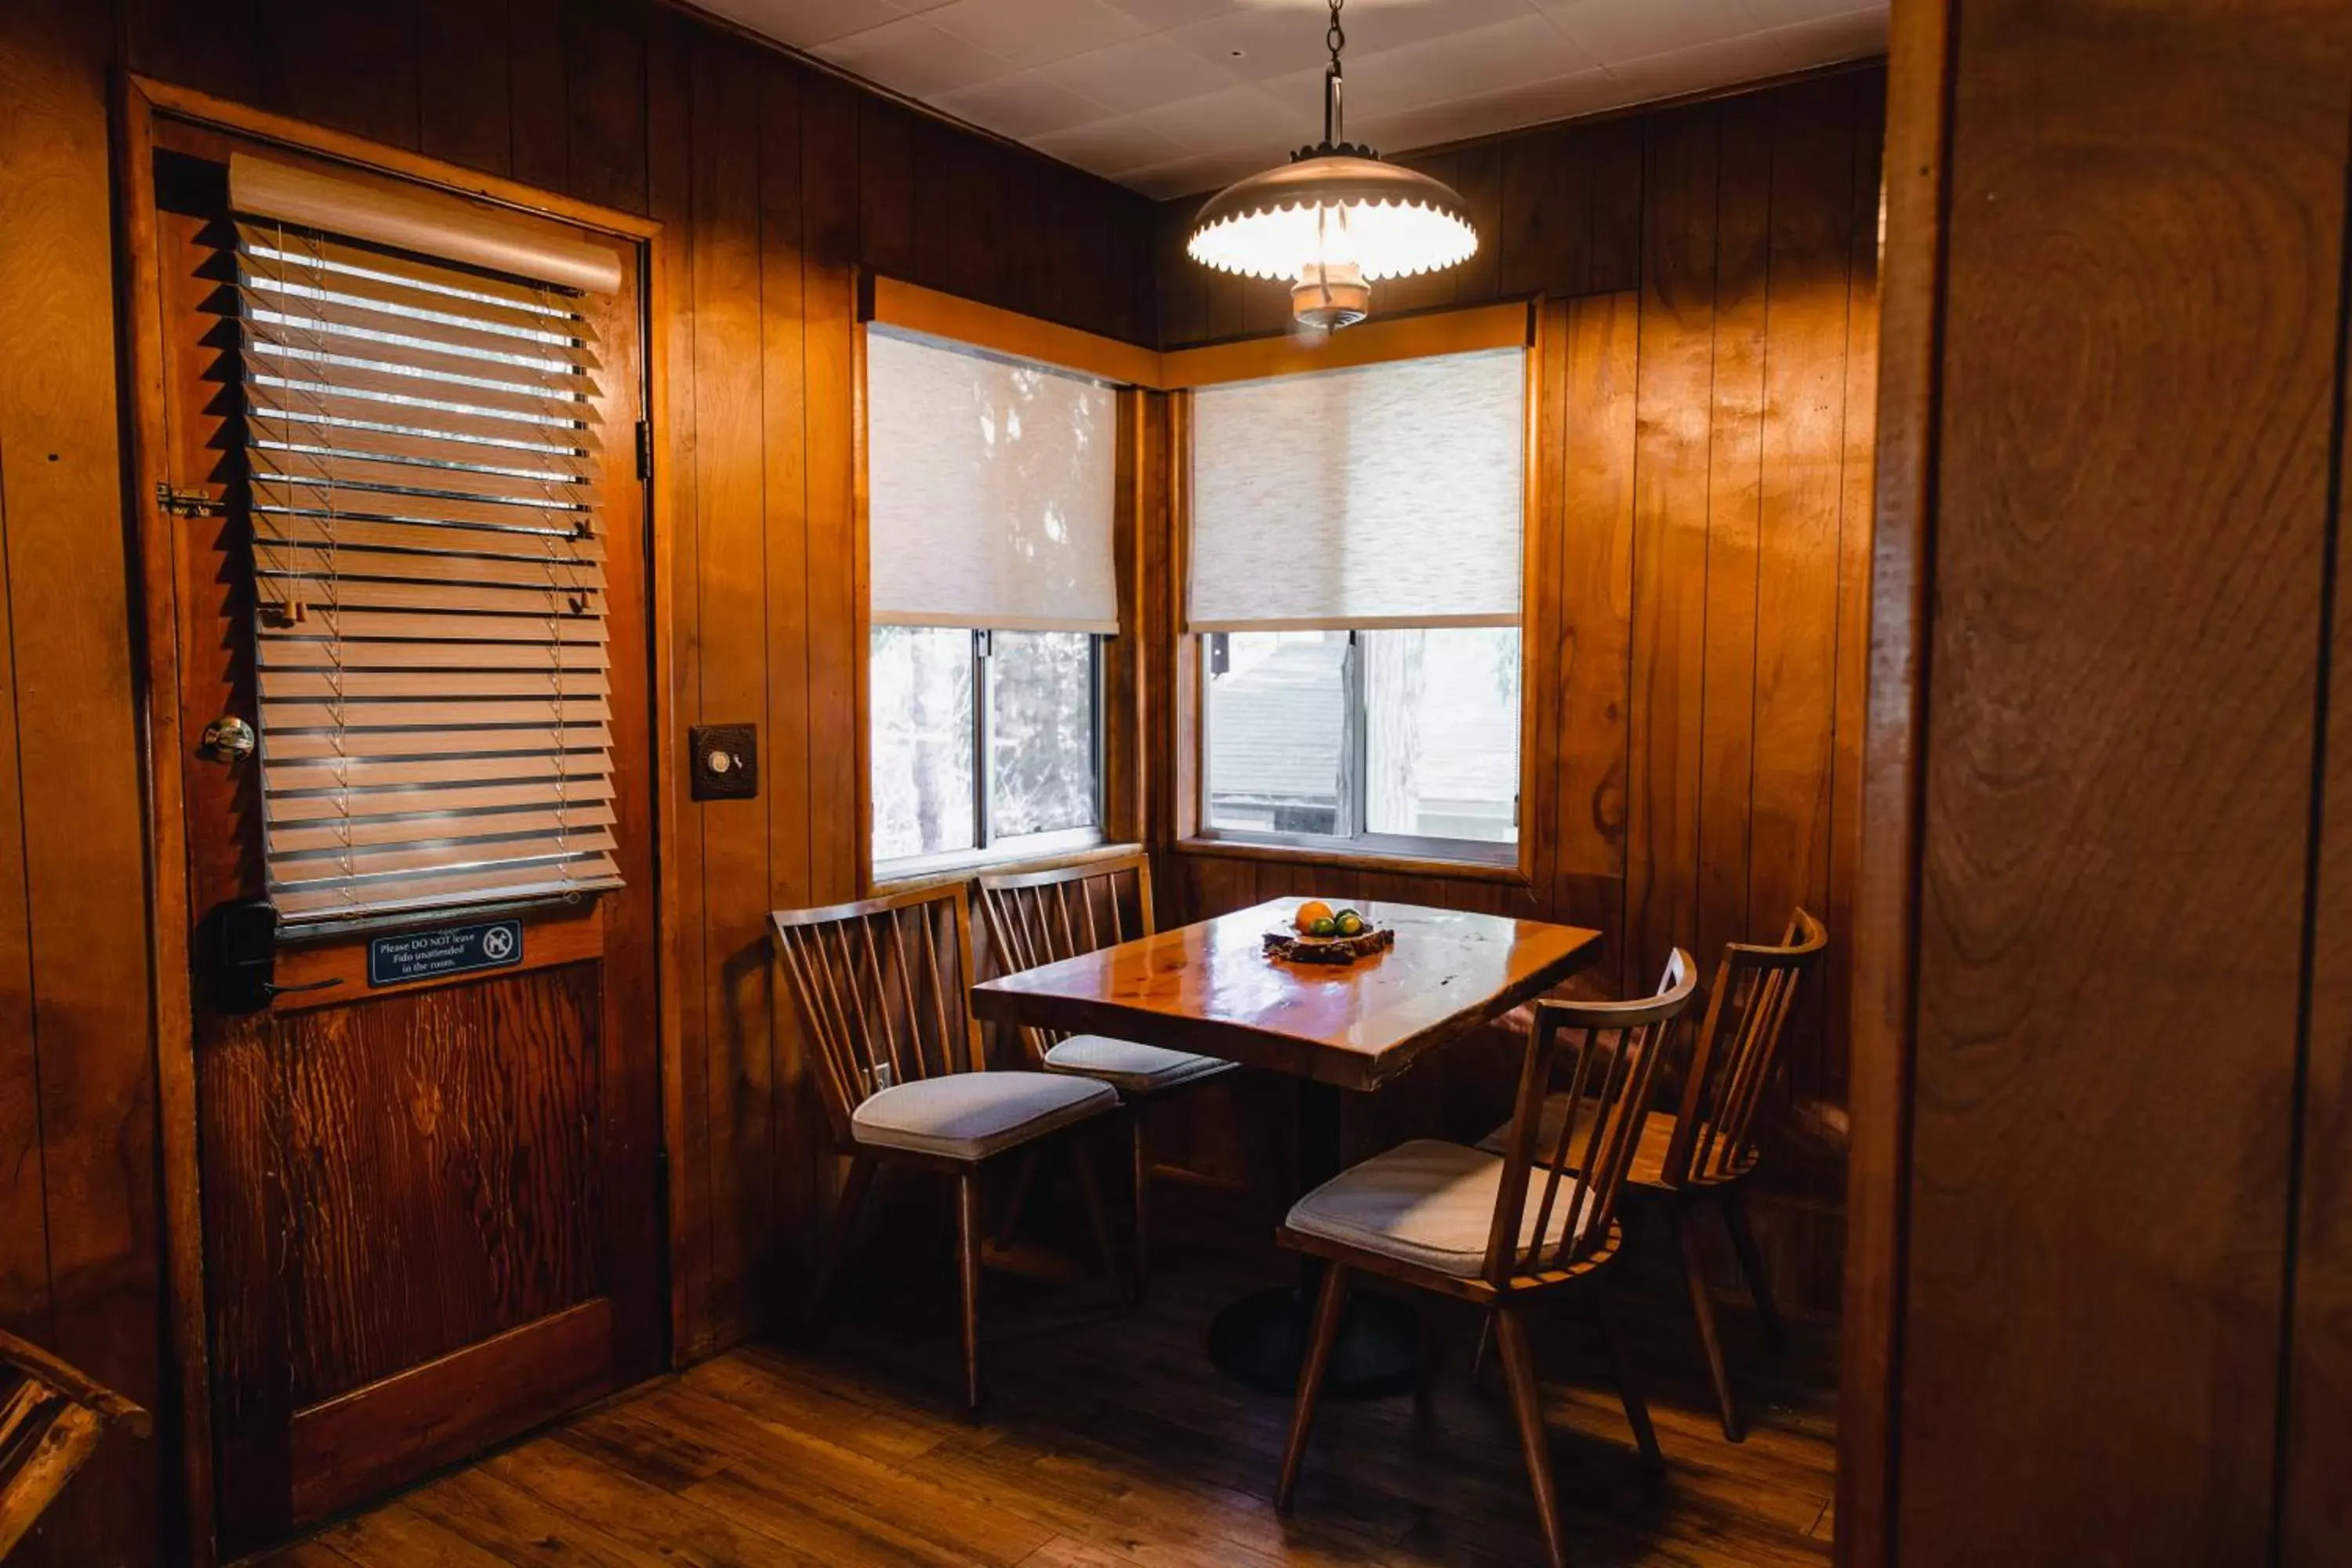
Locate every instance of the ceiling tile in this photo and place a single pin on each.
(912, 57)
(1631, 29)
(805, 23)
(1141, 73)
(1111, 146)
(1697, 68)
(1160, 15)
(1462, 64)
(1031, 32)
(1020, 106)
(1238, 118)
(1198, 174)
(1532, 103)
(1769, 14)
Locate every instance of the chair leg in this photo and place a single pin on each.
(1527, 1405)
(1082, 1158)
(968, 1269)
(1628, 1387)
(1142, 1204)
(1751, 1264)
(854, 1188)
(1328, 1307)
(1703, 1307)
(1008, 1219)
(1478, 1356)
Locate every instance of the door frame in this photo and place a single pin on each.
(139, 102)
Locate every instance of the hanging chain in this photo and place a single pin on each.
(1335, 37)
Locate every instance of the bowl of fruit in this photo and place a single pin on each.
(1321, 933)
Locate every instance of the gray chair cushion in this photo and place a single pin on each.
(1424, 1202)
(1127, 1067)
(972, 1115)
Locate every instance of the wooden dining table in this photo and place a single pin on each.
(1213, 988)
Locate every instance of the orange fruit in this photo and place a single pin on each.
(1309, 912)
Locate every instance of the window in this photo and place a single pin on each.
(993, 486)
(428, 584)
(1356, 581)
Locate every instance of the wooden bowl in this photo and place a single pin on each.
(1297, 949)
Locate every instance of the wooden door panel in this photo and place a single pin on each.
(437, 1165)
(431, 1210)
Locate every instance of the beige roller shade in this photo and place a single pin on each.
(427, 565)
(993, 487)
(1380, 495)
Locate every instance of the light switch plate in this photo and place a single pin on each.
(726, 761)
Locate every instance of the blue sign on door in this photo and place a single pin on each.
(451, 950)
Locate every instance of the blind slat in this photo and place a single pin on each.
(428, 538)
(446, 827)
(304, 746)
(339, 465)
(371, 421)
(393, 713)
(323, 623)
(314, 558)
(455, 328)
(408, 375)
(587, 874)
(347, 803)
(366, 772)
(293, 653)
(319, 589)
(337, 866)
(283, 684)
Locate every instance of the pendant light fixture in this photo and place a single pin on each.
(1334, 220)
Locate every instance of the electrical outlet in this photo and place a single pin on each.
(726, 761)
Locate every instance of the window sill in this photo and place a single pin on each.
(1496, 870)
(945, 869)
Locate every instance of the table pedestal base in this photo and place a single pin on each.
(1261, 1340)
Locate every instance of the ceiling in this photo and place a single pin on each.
(1175, 96)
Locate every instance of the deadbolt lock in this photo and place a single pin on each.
(228, 739)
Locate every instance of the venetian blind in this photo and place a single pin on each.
(428, 577)
(993, 488)
(1383, 495)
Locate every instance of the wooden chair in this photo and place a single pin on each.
(51, 1419)
(1702, 1154)
(883, 989)
(1537, 1221)
(1041, 917)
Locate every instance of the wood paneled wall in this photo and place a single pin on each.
(2102, 1304)
(772, 181)
(1696, 605)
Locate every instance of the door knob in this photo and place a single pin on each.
(228, 739)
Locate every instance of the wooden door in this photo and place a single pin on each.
(431, 1207)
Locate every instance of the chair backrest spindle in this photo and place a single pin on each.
(1618, 1047)
(1747, 1012)
(860, 992)
(1031, 920)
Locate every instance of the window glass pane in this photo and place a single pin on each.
(1441, 732)
(1277, 731)
(1041, 733)
(923, 741)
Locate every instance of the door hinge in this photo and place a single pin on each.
(187, 503)
(644, 449)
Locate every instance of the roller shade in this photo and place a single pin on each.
(428, 579)
(1383, 495)
(992, 489)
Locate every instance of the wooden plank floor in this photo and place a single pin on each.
(1110, 1443)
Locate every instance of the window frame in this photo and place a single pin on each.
(1118, 673)
(1395, 338)
(987, 848)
